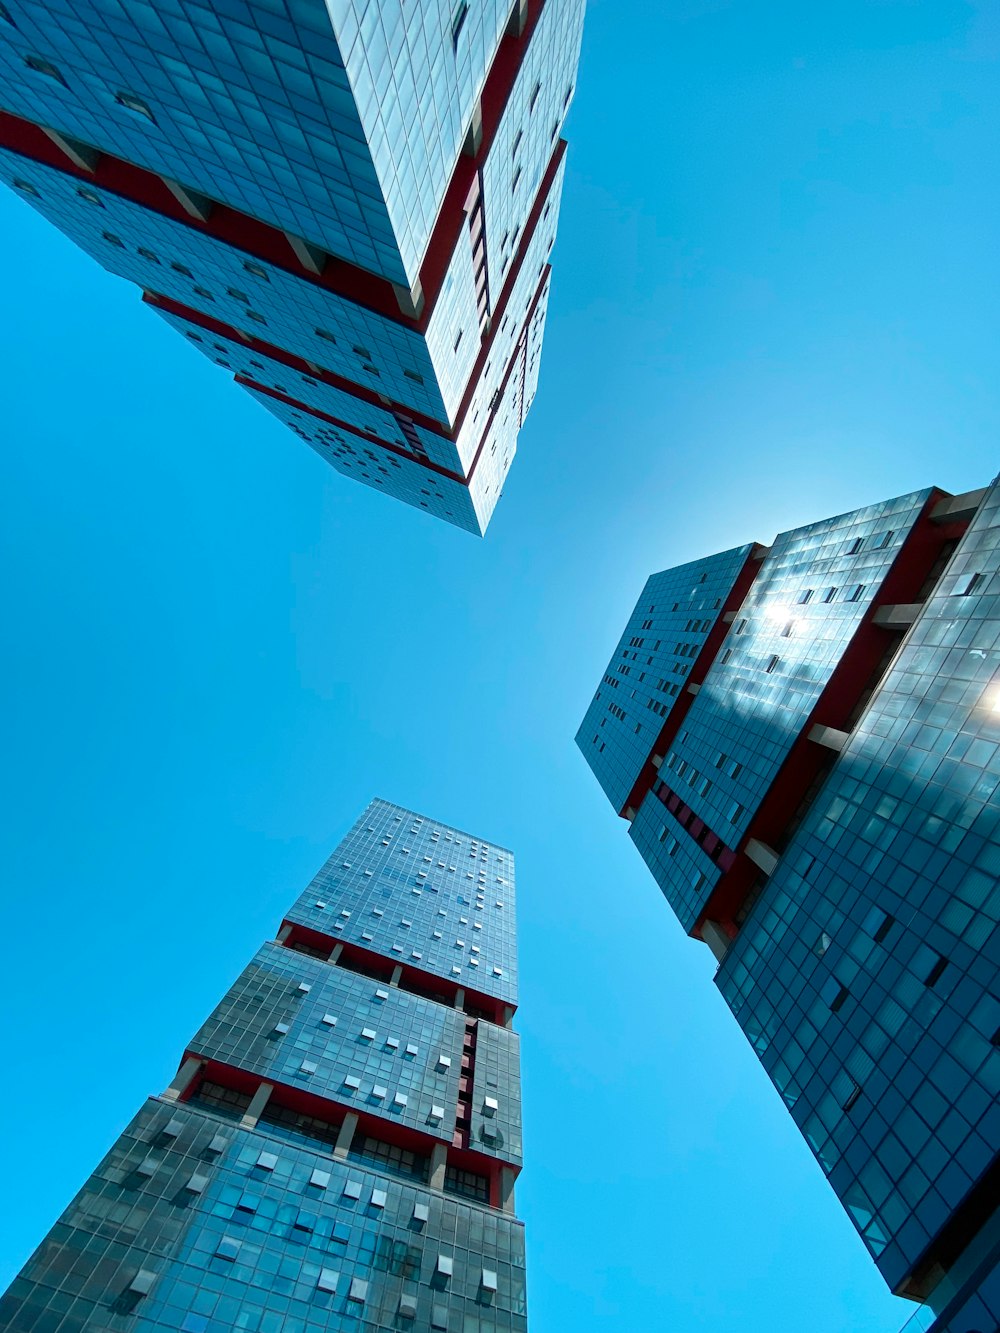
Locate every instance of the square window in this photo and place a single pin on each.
(458, 21)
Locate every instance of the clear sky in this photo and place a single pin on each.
(775, 298)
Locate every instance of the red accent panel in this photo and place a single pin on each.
(303, 1102)
(392, 448)
(296, 363)
(500, 307)
(845, 688)
(710, 842)
(257, 239)
(425, 983)
(495, 95)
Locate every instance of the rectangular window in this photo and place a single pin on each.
(884, 928)
(772, 662)
(934, 975)
(458, 22)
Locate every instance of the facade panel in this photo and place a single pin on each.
(651, 668)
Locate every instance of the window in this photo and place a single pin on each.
(46, 67)
(805, 596)
(256, 269)
(457, 341)
(884, 928)
(91, 196)
(967, 584)
(469, 1185)
(772, 662)
(853, 547)
(322, 333)
(829, 595)
(934, 975)
(182, 269)
(458, 22)
(148, 254)
(115, 240)
(133, 103)
(26, 186)
(856, 593)
(412, 375)
(237, 295)
(204, 293)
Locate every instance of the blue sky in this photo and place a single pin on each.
(774, 299)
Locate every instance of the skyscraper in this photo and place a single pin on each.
(805, 740)
(339, 1146)
(350, 205)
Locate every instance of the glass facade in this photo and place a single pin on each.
(827, 817)
(367, 193)
(339, 1146)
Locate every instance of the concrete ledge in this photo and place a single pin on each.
(829, 736)
(716, 939)
(761, 855)
(958, 507)
(899, 616)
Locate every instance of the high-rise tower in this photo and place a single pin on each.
(805, 740)
(350, 205)
(339, 1147)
